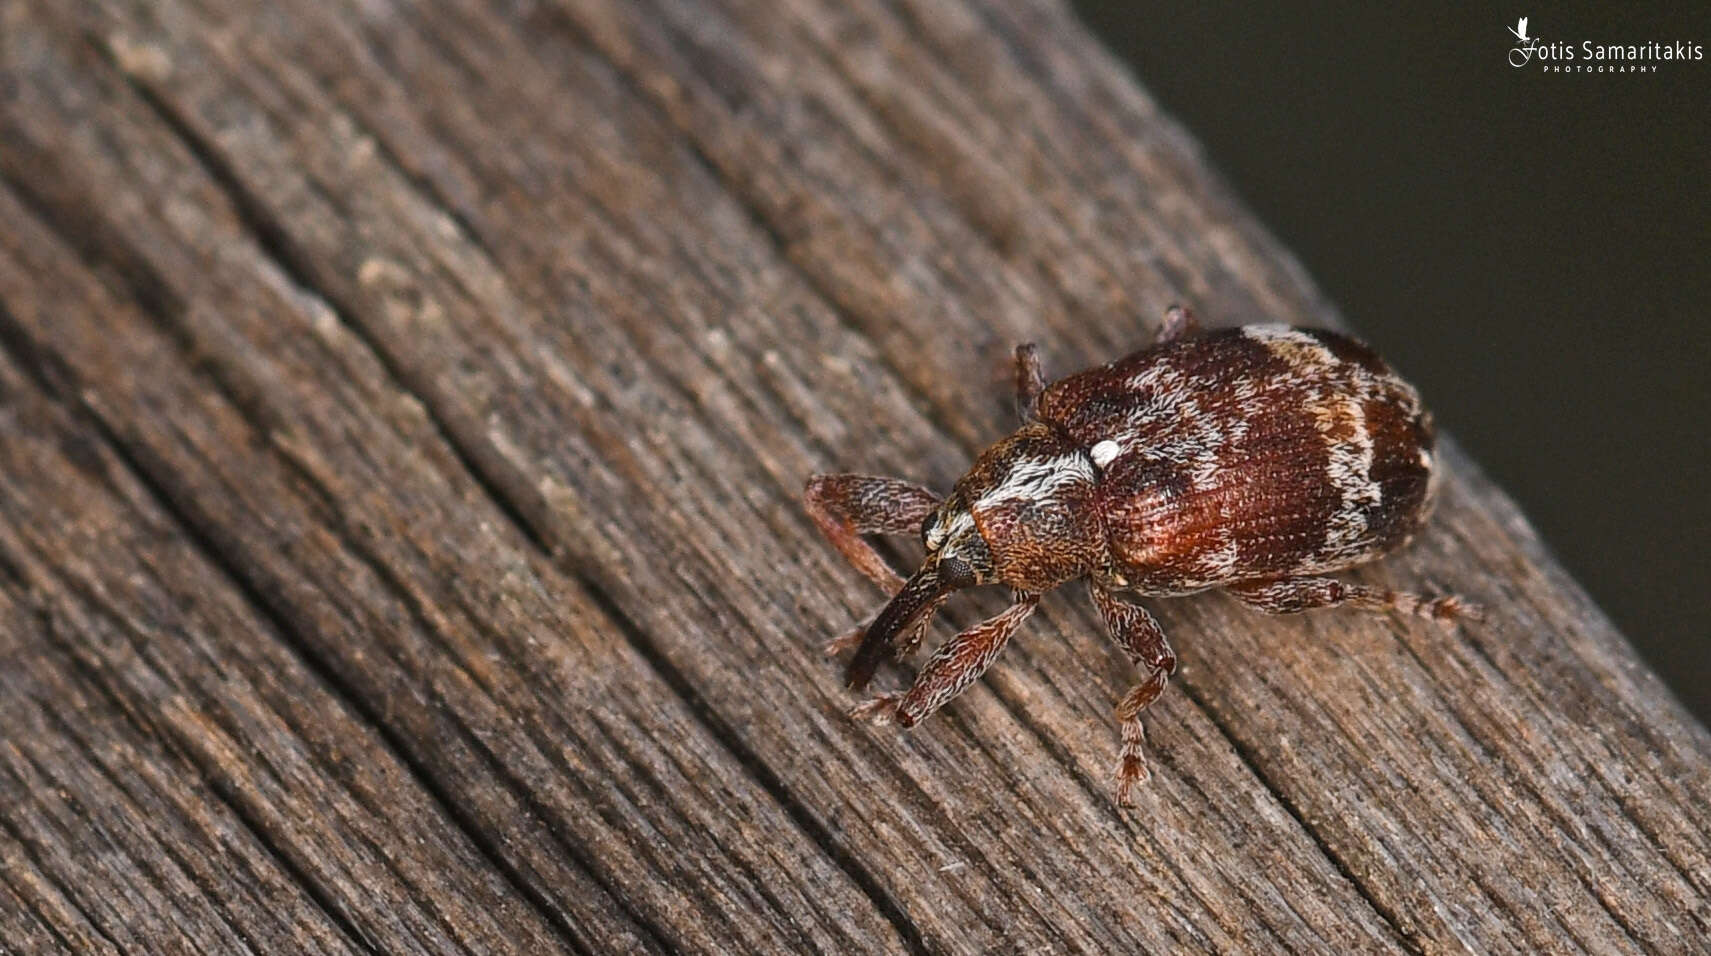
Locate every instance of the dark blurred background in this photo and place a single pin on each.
(1532, 249)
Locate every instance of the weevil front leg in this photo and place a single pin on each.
(954, 666)
(1291, 595)
(1138, 633)
(845, 507)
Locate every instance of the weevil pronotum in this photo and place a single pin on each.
(1254, 459)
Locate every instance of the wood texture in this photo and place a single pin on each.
(403, 414)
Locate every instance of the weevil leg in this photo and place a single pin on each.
(1030, 381)
(1178, 323)
(1138, 633)
(845, 507)
(954, 666)
(1290, 595)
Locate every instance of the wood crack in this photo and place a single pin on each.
(276, 243)
(328, 908)
(1250, 760)
(31, 358)
(65, 892)
(1522, 781)
(799, 813)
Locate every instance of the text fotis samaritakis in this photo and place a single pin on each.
(1588, 51)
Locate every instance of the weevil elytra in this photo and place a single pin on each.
(1254, 459)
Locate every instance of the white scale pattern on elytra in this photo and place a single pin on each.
(1350, 471)
(1219, 563)
(1159, 378)
(1196, 440)
(1349, 467)
(1171, 395)
(1181, 432)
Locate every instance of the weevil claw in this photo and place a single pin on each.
(879, 710)
(838, 645)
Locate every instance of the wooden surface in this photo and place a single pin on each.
(403, 413)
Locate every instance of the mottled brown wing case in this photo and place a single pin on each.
(1248, 453)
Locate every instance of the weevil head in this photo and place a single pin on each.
(1024, 516)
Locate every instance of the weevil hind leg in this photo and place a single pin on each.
(1179, 322)
(1030, 380)
(957, 663)
(1138, 633)
(1292, 595)
(845, 507)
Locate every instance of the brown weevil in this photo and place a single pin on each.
(1254, 459)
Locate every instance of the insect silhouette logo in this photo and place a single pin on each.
(1525, 46)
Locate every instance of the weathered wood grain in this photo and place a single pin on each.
(171, 764)
(406, 408)
(421, 622)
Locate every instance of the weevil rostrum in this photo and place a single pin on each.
(1255, 459)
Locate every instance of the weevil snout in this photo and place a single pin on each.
(920, 594)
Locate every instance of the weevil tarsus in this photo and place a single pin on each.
(1179, 323)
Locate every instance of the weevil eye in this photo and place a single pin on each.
(956, 573)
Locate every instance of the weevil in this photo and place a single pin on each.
(1256, 459)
